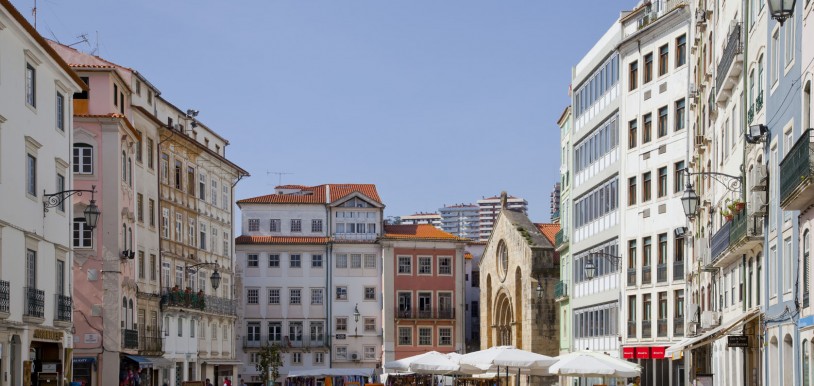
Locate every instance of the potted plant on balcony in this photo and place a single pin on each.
(739, 204)
(727, 214)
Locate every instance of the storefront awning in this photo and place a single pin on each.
(83, 360)
(330, 373)
(160, 363)
(142, 361)
(705, 338)
(223, 362)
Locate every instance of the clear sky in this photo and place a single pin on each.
(435, 101)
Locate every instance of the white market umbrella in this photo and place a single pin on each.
(593, 364)
(431, 362)
(493, 358)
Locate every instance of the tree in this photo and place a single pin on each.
(268, 362)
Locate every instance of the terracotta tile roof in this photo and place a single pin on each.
(549, 231)
(314, 194)
(84, 65)
(285, 240)
(420, 231)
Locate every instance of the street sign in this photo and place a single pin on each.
(340, 336)
(737, 341)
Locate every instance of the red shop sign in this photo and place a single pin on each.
(628, 352)
(642, 352)
(657, 352)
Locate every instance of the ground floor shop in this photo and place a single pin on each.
(34, 356)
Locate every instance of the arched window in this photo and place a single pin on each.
(124, 312)
(130, 172)
(806, 273)
(807, 105)
(124, 236)
(130, 314)
(758, 280)
(124, 166)
(82, 158)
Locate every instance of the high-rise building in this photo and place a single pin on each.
(461, 220)
(433, 219)
(555, 203)
(488, 209)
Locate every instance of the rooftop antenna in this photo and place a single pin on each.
(34, 14)
(279, 176)
(83, 38)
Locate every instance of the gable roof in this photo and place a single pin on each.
(418, 232)
(520, 221)
(319, 194)
(549, 231)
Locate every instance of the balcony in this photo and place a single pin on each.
(446, 313)
(796, 169)
(731, 64)
(254, 341)
(759, 101)
(316, 341)
(631, 329)
(5, 298)
(736, 237)
(425, 313)
(631, 277)
(149, 340)
(661, 273)
(647, 329)
(678, 270)
(678, 326)
(661, 328)
(34, 303)
(64, 308)
(218, 305)
(358, 237)
(404, 313)
(129, 339)
(751, 114)
(560, 291)
(561, 240)
(647, 274)
(174, 297)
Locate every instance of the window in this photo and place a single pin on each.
(805, 268)
(274, 260)
(595, 146)
(295, 261)
(82, 158)
(633, 75)
(316, 225)
(30, 85)
(647, 76)
(370, 324)
(678, 117)
(370, 352)
(678, 176)
(405, 336)
(141, 267)
(60, 112)
(597, 203)
(424, 265)
(342, 324)
(31, 175)
(82, 235)
(317, 331)
(789, 38)
(775, 56)
(342, 292)
(341, 352)
(444, 265)
(253, 331)
(370, 261)
(425, 336)
(662, 124)
(405, 265)
(180, 326)
(252, 295)
(646, 130)
(444, 336)
(632, 133)
(296, 225)
(275, 330)
(165, 171)
(253, 260)
(788, 265)
(274, 296)
(274, 225)
(295, 331)
(370, 293)
(356, 260)
(150, 146)
(631, 191)
(316, 261)
(681, 50)
(664, 53)
(662, 190)
(295, 296)
(213, 190)
(662, 322)
(341, 260)
(316, 296)
(254, 225)
(177, 175)
(646, 187)
(319, 358)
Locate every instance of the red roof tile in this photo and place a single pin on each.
(280, 240)
(549, 231)
(315, 194)
(418, 232)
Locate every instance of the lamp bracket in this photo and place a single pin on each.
(615, 260)
(732, 183)
(194, 268)
(56, 199)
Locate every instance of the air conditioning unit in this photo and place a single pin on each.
(710, 319)
(178, 127)
(700, 16)
(355, 357)
(693, 90)
(757, 205)
(759, 177)
(700, 140)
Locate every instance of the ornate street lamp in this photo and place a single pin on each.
(689, 201)
(782, 9)
(590, 269)
(590, 266)
(539, 289)
(214, 279)
(356, 313)
(91, 212)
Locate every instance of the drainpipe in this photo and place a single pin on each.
(328, 299)
(744, 119)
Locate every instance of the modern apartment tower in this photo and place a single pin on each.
(488, 209)
(460, 220)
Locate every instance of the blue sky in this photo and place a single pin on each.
(436, 102)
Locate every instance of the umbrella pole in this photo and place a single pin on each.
(517, 381)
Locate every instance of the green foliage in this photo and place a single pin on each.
(268, 363)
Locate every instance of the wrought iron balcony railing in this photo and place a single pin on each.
(129, 338)
(759, 101)
(560, 289)
(678, 270)
(218, 305)
(631, 277)
(64, 308)
(34, 302)
(647, 329)
(796, 171)
(149, 340)
(733, 48)
(678, 326)
(446, 313)
(661, 328)
(175, 297)
(661, 273)
(631, 329)
(647, 274)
